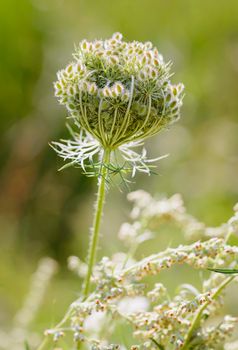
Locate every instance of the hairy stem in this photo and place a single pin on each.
(197, 317)
(97, 222)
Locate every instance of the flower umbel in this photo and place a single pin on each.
(118, 94)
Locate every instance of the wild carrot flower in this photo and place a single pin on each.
(117, 93)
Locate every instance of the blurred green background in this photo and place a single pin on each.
(45, 212)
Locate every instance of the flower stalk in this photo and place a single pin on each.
(97, 221)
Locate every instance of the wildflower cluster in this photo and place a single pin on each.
(118, 93)
(150, 213)
(158, 320)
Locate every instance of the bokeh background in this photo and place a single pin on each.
(44, 212)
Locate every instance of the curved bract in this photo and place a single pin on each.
(119, 91)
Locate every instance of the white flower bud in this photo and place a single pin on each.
(113, 59)
(71, 90)
(98, 44)
(79, 68)
(84, 45)
(92, 88)
(117, 36)
(153, 73)
(118, 88)
(106, 92)
(148, 45)
(69, 68)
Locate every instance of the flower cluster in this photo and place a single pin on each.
(118, 93)
(158, 320)
(152, 212)
(213, 336)
(200, 255)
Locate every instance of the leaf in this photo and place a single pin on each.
(225, 271)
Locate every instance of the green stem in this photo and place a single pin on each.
(197, 317)
(203, 307)
(97, 222)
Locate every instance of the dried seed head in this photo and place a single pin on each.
(124, 74)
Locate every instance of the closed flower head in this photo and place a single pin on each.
(119, 92)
